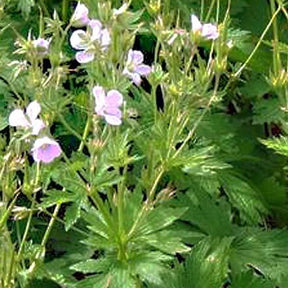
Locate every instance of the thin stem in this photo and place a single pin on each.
(28, 224)
(276, 54)
(258, 43)
(64, 10)
(147, 204)
(192, 131)
(69, 128)
(85, 133)
(45, 238)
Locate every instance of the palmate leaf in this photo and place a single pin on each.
(206, 266)
(242, 196)
(208, 214)
(249, 280)
(280, 145)
(265, 251)
(156, 220)
(267, 111)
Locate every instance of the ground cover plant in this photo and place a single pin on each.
(143, 143)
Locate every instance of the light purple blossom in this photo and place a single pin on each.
(17, 118)
(45, 149)
(208, 31)
(108, 106)
(134, 67)
(88, 41)
(80, 16)
(41, 45)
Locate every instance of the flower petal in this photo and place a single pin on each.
(195, 24)
(84, 57)
(37, 126)
(210, 31)
(112, 120)
(95, 26)
(105, 38)
(136, 78)
(33, 110)
(78, 40)
(99, 94)
(114, 99)
(45, 150)
(136, 57)
(17, 118)
(113, 111)
(80, 16)
(143, 70)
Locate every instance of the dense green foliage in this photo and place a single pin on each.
(189, 191)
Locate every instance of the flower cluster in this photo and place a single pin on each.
(89, 41)
(44, 149)
(108, 105)
(207, 30)
(135, 68)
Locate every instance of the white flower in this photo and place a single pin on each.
(80, 16)
(87, 41)
(17, 118)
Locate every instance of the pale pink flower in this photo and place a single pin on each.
(41, 45)
(87, 41)
(208, 31)
(108, 106)
(45, 149)
(135, 68)
(18, 118)
(80, 16)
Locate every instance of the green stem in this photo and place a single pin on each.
(276, 54)
(146, 205)
(65, 4)
(192, 131)
(28, 224)
(69, 128)
(45, 238)
(85, 133)
(258, 43)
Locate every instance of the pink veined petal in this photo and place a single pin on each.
(37, 126)
(17, 118)
(143, 70)
(84, 57)
(78, 40)
(112, 120)
(136, 57)
(210, 31)
(113, 99)
(195, 23)
(33, 110)
(45, 150)
(113, 111)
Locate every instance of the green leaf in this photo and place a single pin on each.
(157, 219)
(25, 6)
(248, 280)
(212, 216)
(265, 251)
(92, 266)
(243, 197)
(267, 111)
(280, 145)
(72, 214)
